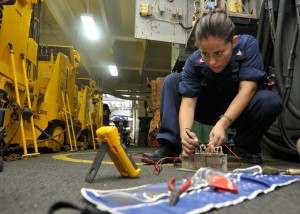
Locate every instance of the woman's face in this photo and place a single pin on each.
(216, 52)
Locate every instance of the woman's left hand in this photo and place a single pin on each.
(217, 136)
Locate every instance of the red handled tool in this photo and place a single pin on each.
(222, 184)
(175, 193)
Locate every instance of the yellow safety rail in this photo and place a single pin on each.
(68, 116)
(92, 130)
(11, 53)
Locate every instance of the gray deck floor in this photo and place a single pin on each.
(34, 184)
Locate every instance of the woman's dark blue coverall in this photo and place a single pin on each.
(215, 92)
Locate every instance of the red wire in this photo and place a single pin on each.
(237, 157)
(157, 167)
(143, 158)
(158, 164)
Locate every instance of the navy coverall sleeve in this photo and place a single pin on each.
(190, 84)
(251, 68)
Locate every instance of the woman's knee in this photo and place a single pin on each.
(270, 101)
(172, 79)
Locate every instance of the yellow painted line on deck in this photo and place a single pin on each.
(66, 157)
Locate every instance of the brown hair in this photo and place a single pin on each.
(215, 24)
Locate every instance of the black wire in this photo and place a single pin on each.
(279, 149)
(272, 22)
(261, 23)
(282, 127)
(266, 41)
(275, 131)
(278, 62)
(272, 139)
(185, 28)
(278, 59)
(288, 86)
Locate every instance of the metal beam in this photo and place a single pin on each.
(126, 38)
(131, 68)
(115, 94)
(105, 23)
(157, 70)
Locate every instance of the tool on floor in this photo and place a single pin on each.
(213, 158)
(197, 199)
(267, 170)
(175, 193)
(109, 140)
(222, 184)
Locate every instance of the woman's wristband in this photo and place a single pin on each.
(227, 117)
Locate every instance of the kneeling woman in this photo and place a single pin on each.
(219, 86)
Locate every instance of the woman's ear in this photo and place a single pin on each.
(234, 40)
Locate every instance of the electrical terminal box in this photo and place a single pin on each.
(215, 160)
(197, 161)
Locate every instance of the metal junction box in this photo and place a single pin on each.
(211, 160)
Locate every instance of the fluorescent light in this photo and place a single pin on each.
(126, 95)
(113, 70)
(121, 90)
(89, 26)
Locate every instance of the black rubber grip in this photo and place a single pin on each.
(97, 162)
(130, 157)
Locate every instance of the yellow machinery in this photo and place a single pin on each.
(234, 5)
(17, 52)
(89, 112)
(30, 90)
(97, 116)
(38, 92)
(55, 108)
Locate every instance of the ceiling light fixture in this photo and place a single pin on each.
(89, 26)
(113, 70)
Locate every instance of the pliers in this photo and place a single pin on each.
(175, 193)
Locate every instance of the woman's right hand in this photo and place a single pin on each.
(189, 142)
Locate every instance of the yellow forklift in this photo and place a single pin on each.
(17, 59)
(56, 92)
(38, 94)
(90, 112)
